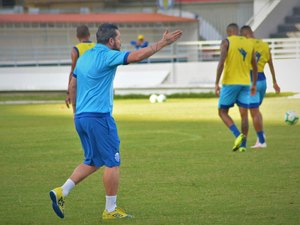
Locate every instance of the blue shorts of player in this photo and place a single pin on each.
(261, 88)
(99, 138)
(234, 94)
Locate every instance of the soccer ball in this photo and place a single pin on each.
(161, 98)
(153, 98)
(291, 117)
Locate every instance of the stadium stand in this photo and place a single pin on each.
(291, 27)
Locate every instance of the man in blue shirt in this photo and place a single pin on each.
(92, 82)
(140, 43)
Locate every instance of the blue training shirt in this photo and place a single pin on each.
(95, 72)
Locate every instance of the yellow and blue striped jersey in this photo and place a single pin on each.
(238, 61)
(83, 46)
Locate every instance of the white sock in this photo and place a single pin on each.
(111, 203)
(67, 187)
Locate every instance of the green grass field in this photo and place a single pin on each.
(177, 166)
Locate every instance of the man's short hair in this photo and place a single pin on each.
(246, 28)
(233, 26)
(105, 32)
(83, 31)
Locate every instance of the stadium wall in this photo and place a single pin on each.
(144, 78)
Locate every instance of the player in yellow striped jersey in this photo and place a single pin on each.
(237, 56)
(263, 56)
(83, 35)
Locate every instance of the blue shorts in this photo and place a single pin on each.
(261, 88)
(99, 138)
(234, 94)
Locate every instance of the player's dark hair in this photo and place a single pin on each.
(105, 32)
(233, 26)
(82, 31)
(247, 28)
(232, 29)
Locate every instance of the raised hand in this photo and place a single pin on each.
(171, 37)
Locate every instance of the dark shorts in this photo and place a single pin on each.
(99, 138)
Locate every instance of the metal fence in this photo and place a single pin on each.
(286, 48)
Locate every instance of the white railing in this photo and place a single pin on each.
(286, 48)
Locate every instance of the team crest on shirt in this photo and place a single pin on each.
(258, 55)
(243, 53)
(117, 157)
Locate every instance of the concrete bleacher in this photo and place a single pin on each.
(291, 26)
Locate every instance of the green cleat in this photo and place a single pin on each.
(242, 149)
(118, 213)
(58, 201)
(238, 142)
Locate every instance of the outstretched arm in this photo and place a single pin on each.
(224, 50)
(144, 53)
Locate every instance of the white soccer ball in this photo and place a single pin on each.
(153, 98)
(291, 117)
(161, 98)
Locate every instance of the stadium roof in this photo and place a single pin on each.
(92, 18)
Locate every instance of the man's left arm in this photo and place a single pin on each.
(272, 70)
(223, 55)
(144, 53)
